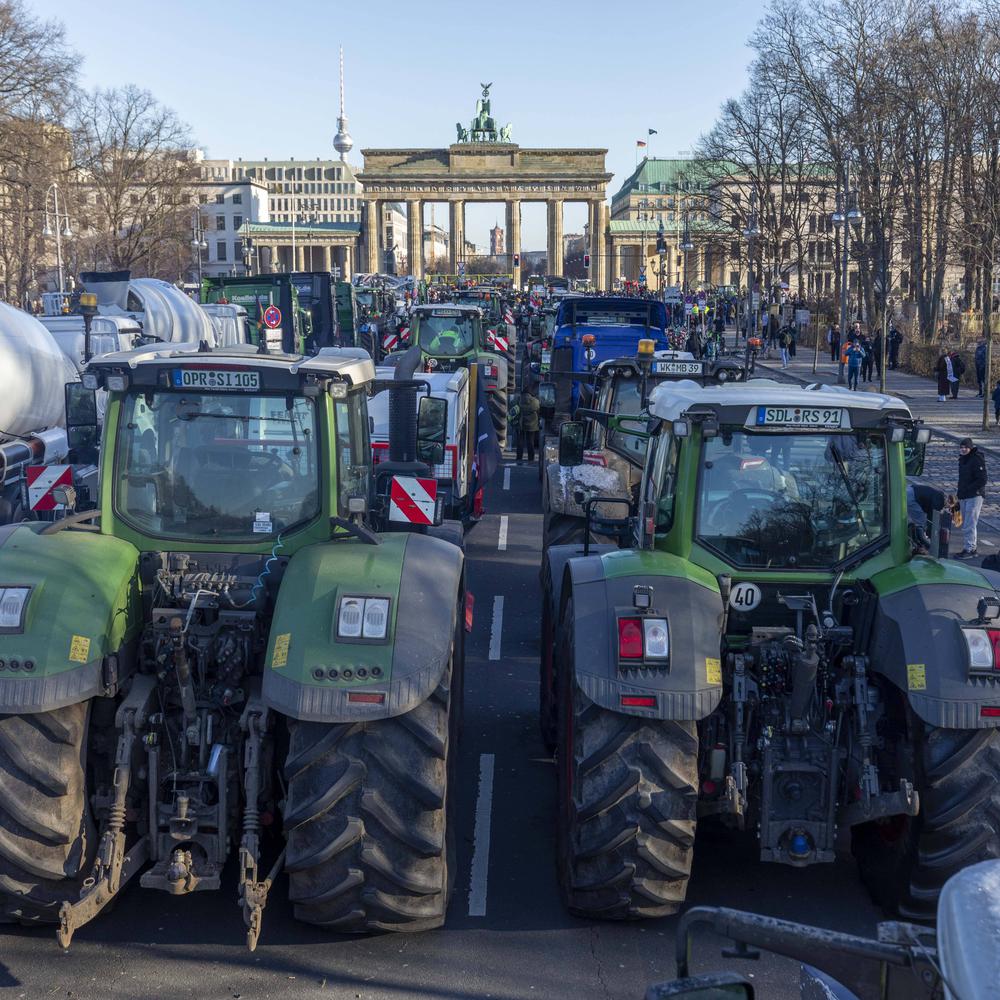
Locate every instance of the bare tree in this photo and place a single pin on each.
(37, 84)
(135, 159)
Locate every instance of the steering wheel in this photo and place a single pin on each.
(737, 499)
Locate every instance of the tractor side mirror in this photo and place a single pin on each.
(83, 432)
(572, 435)
(432, 429)
(915, 449)
(547, 399)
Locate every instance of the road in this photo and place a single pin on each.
(523, 944)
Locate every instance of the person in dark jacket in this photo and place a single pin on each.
(981, 367)
(922, 502)
(529, 425)
(877, 354)
(972, 480)
(958, 367)
(895, 343)
(996, 403)
(867, 358)
(833, 339)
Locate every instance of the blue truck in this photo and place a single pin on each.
(590, 329)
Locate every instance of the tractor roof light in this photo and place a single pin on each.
(588, 340)
(91, 380)
(117, 382)
(646, 347)
(338, 390)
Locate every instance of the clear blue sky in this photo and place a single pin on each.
(256, 78)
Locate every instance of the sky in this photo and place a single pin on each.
(255, 78)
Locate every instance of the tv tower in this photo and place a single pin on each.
(342, 141)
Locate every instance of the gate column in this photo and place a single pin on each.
(456, 234)
(514, 239)
(555, 247)
(371, 234)
(598, 248)
(415, 237)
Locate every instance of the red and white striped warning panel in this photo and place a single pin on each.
(42, 480)
(389, 341)
(508, 316)
(412, 500)
(499, 341)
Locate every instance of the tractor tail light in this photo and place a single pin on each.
(630, 638)
(638, 701)
(983, 649)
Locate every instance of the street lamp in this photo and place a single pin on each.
(60, 229)
(661, 249)
(750, 234)
(246, 246)
(846, 198)
(686, 245)
(198, 244)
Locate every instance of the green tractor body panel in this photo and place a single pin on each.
(311, 673)
(638, 562)
(83, 607)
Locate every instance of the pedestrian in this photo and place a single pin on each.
(996, 403)
(943, 372)
(958, 370)
(529, 425)
(514, 422)
(833, 339)
(972, 479)
(877, 353)
(895, 342)
(922, 502)
(854, 334)
(793, 336)
(867, 358)
(854, 355)
(981, 368)
(783, 346)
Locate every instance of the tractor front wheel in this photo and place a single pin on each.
(905, 861)
(47, 838)
(627, 804)
(368, 817)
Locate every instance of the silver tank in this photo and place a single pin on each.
(33, 374)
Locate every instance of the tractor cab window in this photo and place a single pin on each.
(216, 466)
(353, 450)
(795, 500)
(448, 333)
(660, 480)
(627, 402)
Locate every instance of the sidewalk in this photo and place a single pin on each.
(950, 421)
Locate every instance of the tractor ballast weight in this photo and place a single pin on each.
(784, 661)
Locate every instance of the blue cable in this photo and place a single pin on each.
(266, 571)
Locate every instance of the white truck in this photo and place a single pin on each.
(453, 471)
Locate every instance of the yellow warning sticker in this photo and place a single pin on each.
(79, 649)
(916, 677)
(281, 643)
(713, 670)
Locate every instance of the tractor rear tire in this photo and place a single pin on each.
(627, 804)
(548, 706)
(369, 818)
(497, 402)
(905, 861)
(46, 834)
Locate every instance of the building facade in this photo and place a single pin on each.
(224, 207)
(313, 190)
(496, 241)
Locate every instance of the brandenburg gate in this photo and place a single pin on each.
(484, 165)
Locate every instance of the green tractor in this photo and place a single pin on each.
(225, 656)
(769, 654)
(452, 335)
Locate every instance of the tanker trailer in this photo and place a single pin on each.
(33, 375)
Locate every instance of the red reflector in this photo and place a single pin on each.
(994, 636)
(629, 639)
(990, 712)
(367, 697)
(470, 604)
(638, 701)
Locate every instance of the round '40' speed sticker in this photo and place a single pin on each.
(744, 596)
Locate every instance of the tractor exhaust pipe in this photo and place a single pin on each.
(403, 410)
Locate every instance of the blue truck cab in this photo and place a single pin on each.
(590, 329)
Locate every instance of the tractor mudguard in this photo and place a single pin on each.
(917, 643)
(689, 686)
(562, 481)
(80, 621)
(312, 674)
(552, 573)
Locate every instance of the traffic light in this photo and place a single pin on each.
(517, 260)
(586, 261)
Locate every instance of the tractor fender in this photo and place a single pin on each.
(82, 619)
(689, 687)
(561, 481)
(553, 571)
(918, 646)
(310, 672)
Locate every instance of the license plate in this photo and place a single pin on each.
(216, 378)
(677, 368)
(800, 416)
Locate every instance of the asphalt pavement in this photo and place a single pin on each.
(507, 934)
